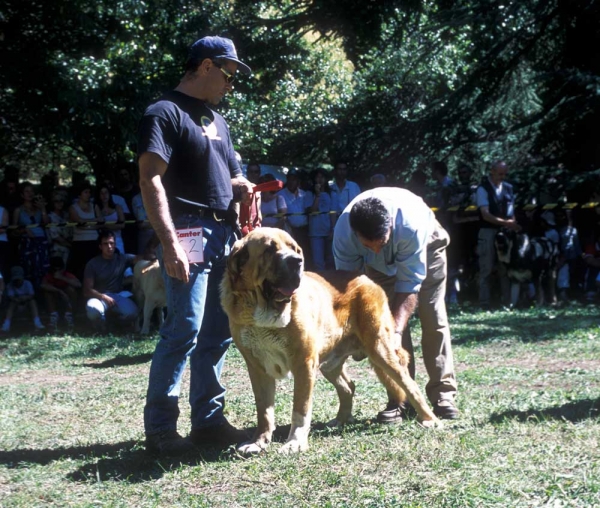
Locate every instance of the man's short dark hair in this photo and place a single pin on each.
(105, 233)
(370, 218)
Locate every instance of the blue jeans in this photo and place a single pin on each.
(196, 327)
(125, 310)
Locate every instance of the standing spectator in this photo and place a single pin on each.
(345, 189)
(60, 289)
(20, 295)
(570, 253)
(272, 203)
(106, 209)
(145, 231)
(4, 245)
(495, 202)
(85, 236)
(444, 184)
(250, 216)
(321, 221)
(395, 238)
(378, 180)
(189, 176)
(103, 284)
(9, 190)
(549, 226)
(128, 189)
(2, 287)
(297, 201)
(33, 246)
(59, 234)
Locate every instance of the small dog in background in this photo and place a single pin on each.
(528, 260)
(149, 291)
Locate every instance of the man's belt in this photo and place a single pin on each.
(202, 210)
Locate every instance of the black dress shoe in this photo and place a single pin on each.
(168, 443)
(222, 434)
(446, 410)
(393, 414)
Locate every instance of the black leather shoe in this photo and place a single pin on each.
(393, 414)
(168, 443)
(446, 410)
(222, 434)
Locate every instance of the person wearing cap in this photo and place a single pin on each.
(496, 205)
(190, 178)
(549, 227)
(394, 237)
(20, 295)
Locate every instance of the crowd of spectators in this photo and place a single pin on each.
(52, 259)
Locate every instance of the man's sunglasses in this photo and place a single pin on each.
(229, 78)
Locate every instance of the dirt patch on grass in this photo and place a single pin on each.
(46, 377)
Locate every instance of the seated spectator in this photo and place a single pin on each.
(34, 256)
(20, 295)
(60, 235)
(60, 289)
(272, 204)
(320, 225)
(103, 284)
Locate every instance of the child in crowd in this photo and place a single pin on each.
(60, 287)
(322, 220)
(20, 295)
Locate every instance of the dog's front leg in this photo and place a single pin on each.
(263, 387)
(304, 381)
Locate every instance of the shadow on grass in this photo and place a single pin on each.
(572, 411)
(528, 326)
(120, 361)
(127, 461)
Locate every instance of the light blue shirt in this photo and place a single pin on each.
(139, 212)
(320, 225)
(483, 198)
(405, 254)
(345, 195)
(296, 203)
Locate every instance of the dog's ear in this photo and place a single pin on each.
(238, 258)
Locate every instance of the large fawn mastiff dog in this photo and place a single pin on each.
(285, 320)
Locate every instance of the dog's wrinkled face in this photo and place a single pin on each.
(510, 244)
(269, 261)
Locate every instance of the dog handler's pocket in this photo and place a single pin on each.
(191, 241)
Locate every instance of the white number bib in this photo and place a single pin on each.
(191, 241)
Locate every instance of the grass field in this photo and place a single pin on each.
(71, 428)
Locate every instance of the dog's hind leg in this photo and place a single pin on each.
(393, 364)
(394, 392)
(147, 316)
(345, 387)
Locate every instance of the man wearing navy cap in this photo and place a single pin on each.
(189, 178)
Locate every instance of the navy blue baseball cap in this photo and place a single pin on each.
(217, 48)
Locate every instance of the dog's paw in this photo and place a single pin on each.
(294, 447)
(336, 423)
(251, 448)
(431, 424)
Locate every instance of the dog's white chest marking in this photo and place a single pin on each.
(269, 346)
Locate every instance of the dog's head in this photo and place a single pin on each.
(509, 244)
(268, 263)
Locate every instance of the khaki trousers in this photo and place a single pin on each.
(435, 341)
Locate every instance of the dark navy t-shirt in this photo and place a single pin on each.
(195, 143)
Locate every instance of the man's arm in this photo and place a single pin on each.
(152, 169)
(497, 221)
(90, 292)
(403, 307)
